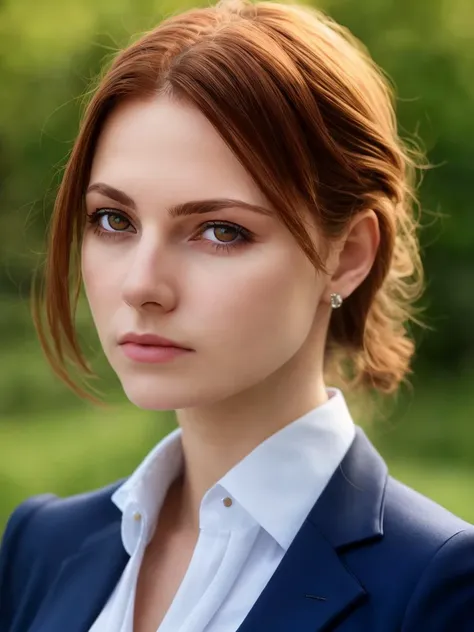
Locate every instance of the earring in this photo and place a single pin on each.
(336, 300)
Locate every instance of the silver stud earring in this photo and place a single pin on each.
(336, 300)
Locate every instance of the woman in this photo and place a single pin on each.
(242, 204)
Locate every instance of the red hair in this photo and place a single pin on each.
(300, 102)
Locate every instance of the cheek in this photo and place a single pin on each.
(258, 300)
(100, 276)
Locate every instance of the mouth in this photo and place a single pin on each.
(151, 340)
(150, 348)
(152, 354)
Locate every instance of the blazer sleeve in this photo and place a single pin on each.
(443, 600)
(12, 575)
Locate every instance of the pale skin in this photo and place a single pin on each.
(256, 316)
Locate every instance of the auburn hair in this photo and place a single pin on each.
(309, 114)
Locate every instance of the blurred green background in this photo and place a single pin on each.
(49, 54)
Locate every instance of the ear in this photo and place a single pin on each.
(354, 256)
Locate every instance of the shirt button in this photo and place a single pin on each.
(137, 516)
(227, 501)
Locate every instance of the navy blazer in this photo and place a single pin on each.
(371, 556)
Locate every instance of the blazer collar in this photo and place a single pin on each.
(310, 587)
(350, 509)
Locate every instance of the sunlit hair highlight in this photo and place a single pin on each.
(300, 102)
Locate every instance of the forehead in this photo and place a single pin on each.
(171, 147)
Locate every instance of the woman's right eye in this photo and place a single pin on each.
(108, 223)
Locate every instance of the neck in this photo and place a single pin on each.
(217, 437)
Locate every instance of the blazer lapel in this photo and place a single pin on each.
(311, 588)
(84, 584)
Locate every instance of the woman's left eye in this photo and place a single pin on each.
(225, 230)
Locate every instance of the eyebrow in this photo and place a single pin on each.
(191, 207)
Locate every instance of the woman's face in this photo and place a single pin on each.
(243, 302)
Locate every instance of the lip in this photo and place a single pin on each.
(151, 340)
(151, 354)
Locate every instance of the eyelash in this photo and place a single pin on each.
(245, 236)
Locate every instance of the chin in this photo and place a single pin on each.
(156, 394)
(154, 399)
(164, 393)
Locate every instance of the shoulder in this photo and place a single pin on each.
(439, 548)
(411, 517)
(406, 531)
(413, 558)
(43, 531)
(421, 567)
(48, 519)
(417, 531)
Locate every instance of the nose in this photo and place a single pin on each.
(148, 280)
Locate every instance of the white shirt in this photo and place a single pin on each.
(268, 494)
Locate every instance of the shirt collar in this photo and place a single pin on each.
(281, 479)
(141, 496)
(276, 484)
